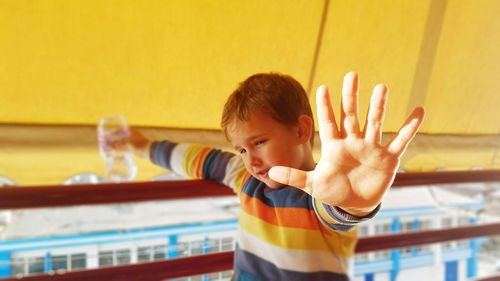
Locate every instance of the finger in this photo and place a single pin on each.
(326, 119)
(293, 177)
(375, 118)
(398, 144)
(349, 125)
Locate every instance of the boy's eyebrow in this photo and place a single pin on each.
(237, 147)
(255, 137)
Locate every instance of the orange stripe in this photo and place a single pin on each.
(280, 216)
(202, 155)
(245, 179)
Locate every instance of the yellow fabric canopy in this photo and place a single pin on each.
(173, 63)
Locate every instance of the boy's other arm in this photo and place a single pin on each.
(355, 169)
(191, 160)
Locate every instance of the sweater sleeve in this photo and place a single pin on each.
(334, 218)
(200, 162)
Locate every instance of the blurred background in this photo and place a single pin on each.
(168, 67)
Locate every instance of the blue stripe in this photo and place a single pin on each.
(335, 216)
(207, 164)
(249, 267)
(214, 166)
(288, 197)
(345, 218)
(220, 164)
(156, 149)
(160, 153)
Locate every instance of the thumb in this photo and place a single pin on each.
(293, 177)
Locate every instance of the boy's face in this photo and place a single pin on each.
(263, 143)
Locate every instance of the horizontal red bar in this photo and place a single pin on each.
(91, 194)
(390, 241)
(60, 196)
(446, 177)
(151, 271)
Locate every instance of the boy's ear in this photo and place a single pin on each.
(305, 125)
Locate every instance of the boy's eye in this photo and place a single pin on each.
(260, 142)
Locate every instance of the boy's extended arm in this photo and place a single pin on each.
(191, 160)
(355, 169)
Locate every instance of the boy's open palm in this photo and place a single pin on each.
(355, 169)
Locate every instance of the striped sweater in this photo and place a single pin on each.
(284, 234)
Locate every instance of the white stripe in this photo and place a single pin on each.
(233, 166)
(177, 158)
(292, 259)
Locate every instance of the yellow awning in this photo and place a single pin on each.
(172, 64)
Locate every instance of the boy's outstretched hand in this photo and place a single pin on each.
(355, 169)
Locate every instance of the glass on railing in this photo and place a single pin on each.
(112, 134)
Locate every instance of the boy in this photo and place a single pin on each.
(295, 215)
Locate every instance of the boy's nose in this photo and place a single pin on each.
(255, 161)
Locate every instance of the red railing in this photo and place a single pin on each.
(59, 196)
(151, 271)
(89, 194)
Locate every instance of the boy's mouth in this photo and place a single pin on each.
(262, 173)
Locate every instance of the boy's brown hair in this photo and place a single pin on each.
(279, 95)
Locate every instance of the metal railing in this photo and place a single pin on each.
(59, 196)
